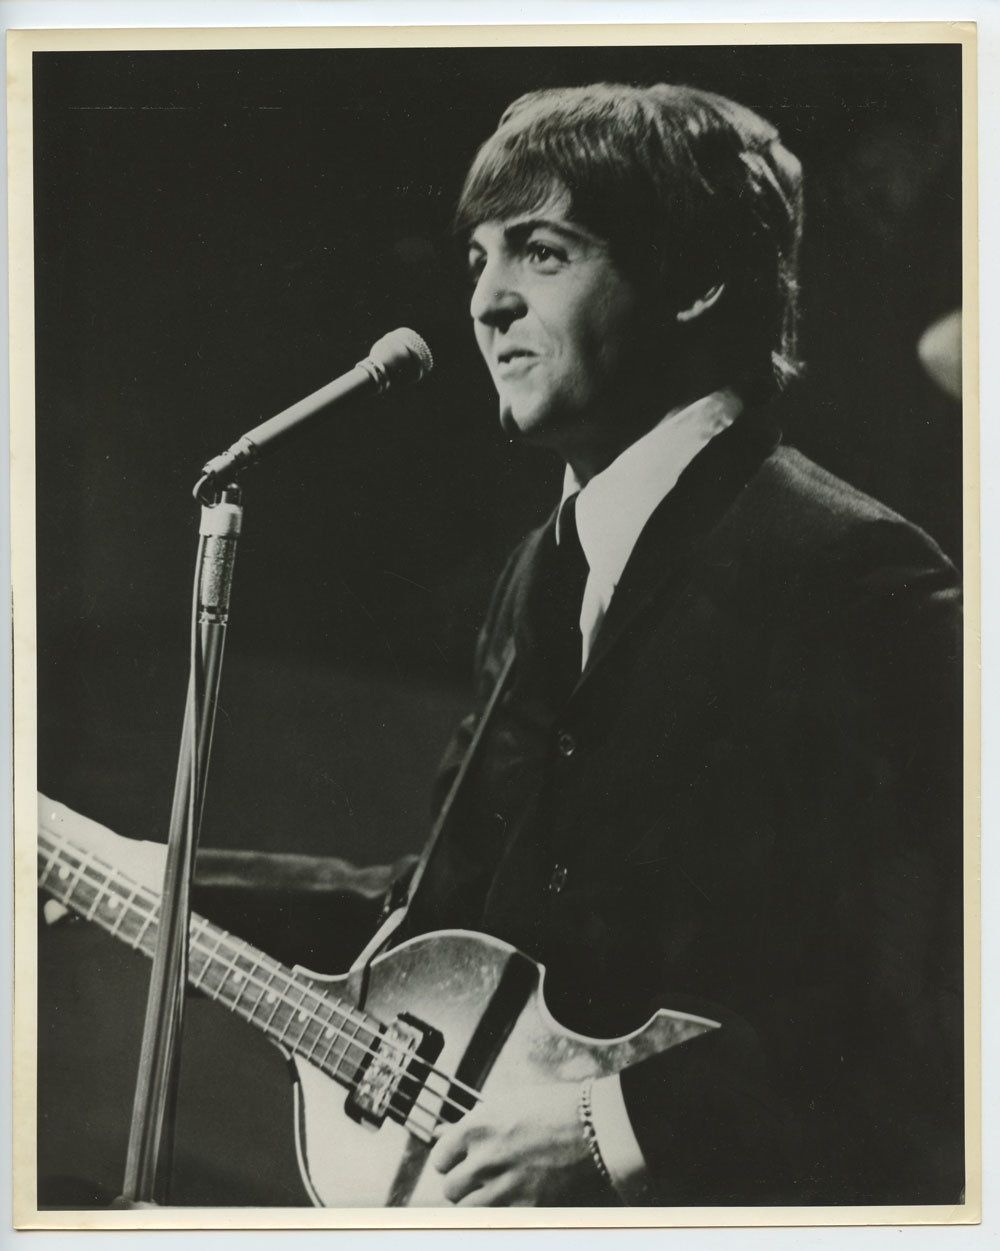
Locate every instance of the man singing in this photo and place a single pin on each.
(722, 775)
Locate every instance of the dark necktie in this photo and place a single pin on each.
(555, 606)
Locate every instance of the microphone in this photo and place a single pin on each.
(400, 356)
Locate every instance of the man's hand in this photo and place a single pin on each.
(525, 1150)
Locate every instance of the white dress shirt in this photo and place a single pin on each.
(614, 506)
(611, 512)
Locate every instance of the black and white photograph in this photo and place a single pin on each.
(495, 615)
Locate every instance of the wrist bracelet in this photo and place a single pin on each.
(589, 1133)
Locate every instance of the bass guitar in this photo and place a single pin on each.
(384, 1055)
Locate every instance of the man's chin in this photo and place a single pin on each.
(508, 424)
(524, 426)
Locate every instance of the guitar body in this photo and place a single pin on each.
(484, 997)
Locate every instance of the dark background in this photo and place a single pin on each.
(219, 233)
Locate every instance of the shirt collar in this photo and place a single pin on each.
(615, 505)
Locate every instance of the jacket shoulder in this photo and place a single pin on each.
(809, 518)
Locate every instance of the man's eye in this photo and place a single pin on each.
(544, 253)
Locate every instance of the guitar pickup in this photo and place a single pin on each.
(394, 1071)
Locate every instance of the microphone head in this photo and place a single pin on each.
(401, 356)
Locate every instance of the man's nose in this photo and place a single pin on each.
(497, 300)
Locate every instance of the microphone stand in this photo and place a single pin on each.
(154, 1108)
(401, 355)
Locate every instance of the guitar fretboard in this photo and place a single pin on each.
(332, 1035)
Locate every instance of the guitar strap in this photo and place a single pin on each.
(444, 815)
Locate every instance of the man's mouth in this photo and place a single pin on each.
(512, 357)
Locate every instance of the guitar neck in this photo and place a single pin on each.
(333, 1036)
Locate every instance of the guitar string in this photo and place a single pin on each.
(273, 967)
(395, 1103)
(404, 1115)
(327, 1025)
(334, 1006)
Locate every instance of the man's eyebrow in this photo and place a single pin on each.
(521, 229)
(517, 231)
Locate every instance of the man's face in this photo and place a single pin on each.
(560, 328)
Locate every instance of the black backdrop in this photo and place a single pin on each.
(219, 233)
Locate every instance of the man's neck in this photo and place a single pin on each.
(592, 456)
(674, 437)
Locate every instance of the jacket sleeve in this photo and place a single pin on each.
(844, 1082)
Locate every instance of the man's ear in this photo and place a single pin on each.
(702, 304)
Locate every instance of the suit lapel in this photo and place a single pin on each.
(527, 587)
(671, 540)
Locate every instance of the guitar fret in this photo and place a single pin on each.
(327, 1029)
(264, 990)
(213, 991)
(148, 921)
(78, 873)
(219, 962)
(235, 977)
(211, 962)
(65, 869)
(48, 866)
(126, 908)
(247, 975)
(311, 1021)
(279, 1002)
(324, 1026)
(364, 1045)
(350, 1040)
(197, 981)
(99, 893)
(320, 1025)
(265, 993)
(335, 1032)
(294, 1014)
(311, 1027)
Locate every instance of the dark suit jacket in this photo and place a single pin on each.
(749, 808)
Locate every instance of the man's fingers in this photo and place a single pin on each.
(495, 1194)
(459, 1185)
(464, 1161)
(449, 1149)
(469, 1183)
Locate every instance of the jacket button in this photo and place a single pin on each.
(558, 879)
(565, 744)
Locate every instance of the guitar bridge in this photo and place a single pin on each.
(394, 1071)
